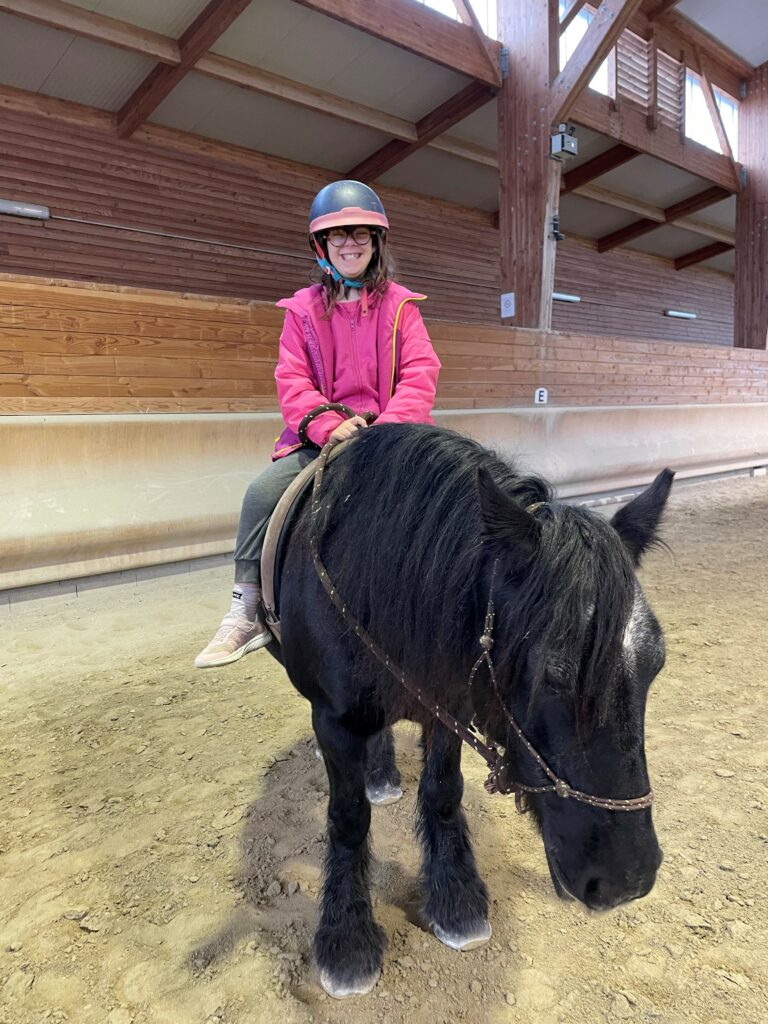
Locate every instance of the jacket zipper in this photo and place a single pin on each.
(356, 361)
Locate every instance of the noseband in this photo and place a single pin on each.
(500, 778)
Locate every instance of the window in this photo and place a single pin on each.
(729, 112)
(570, 39)
(484, 9)
(699, 125)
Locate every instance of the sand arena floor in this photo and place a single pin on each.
(161, 829)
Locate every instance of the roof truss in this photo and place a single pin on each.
(706, 253)
(416, 28)
(438, 121)
(211, 23)
(466, 12)
(662, 8)
(671, 215)
(610, 20)
(614, 157)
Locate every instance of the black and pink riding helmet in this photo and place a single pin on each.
(344, 204)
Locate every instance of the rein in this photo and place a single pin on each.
(499, 778)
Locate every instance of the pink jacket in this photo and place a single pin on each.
(407, 365)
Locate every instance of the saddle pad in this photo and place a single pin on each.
(278, 530)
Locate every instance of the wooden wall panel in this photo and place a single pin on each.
(69, 348)
(624, 294)
(249, 210)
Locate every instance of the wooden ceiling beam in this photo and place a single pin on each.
(66, 17)
(629, 125)
(268, 84)
(609, 21)
(98, 27)
(620, 201)
(671, 214)
(438, 121)
(627, 234)
(416, 28)
(468, 16)
(693, 204)
(466, 150)
(701, 227)
(598, 165)
(705, 253)
(207, 27)
(650, 212)
(662, 8)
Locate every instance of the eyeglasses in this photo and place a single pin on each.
(338, 236)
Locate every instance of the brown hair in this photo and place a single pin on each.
(380, 271)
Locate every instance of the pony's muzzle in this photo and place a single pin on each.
(604, 890)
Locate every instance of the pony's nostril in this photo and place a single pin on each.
(593, 892)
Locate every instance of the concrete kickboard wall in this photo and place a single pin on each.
(81, 495)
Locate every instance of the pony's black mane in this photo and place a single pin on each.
(406, 544)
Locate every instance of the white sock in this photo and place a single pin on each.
(245, 598)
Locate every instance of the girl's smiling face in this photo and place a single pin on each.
(352, 256)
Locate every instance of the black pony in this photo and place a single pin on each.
(415, 522)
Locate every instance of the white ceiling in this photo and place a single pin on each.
(170, 17)
(222, 111)
(585, 217)
(307, 47)
(722, 215)
(669, 241)
(741, 25)
(447, 177)
(726, 263)
(652, 181)
(43, 60)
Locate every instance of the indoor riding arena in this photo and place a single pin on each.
(565, 202)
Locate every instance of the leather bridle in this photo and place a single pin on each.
(499, 779)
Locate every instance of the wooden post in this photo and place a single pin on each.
(529, 181)
(751, 319)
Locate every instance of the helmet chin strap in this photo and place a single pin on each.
(328, 268)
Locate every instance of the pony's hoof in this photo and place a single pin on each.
(463, 943)
(342, 990)
(382, 795)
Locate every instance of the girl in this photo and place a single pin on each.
(356, 338)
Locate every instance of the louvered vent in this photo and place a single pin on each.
(633, 78)
(671, 90)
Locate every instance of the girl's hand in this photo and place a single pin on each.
(347, 429)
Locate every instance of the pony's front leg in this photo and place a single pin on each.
(456, 897)
(349, 945)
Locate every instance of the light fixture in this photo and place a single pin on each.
(13, 209)
(563, 297)
(678, 314)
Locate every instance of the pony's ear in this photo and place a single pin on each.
(504, 519)
(637, 523)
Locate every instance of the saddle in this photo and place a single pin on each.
(279, 529)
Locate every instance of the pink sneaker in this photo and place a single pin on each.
(234, 638)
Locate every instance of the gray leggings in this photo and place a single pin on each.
(258, 505)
